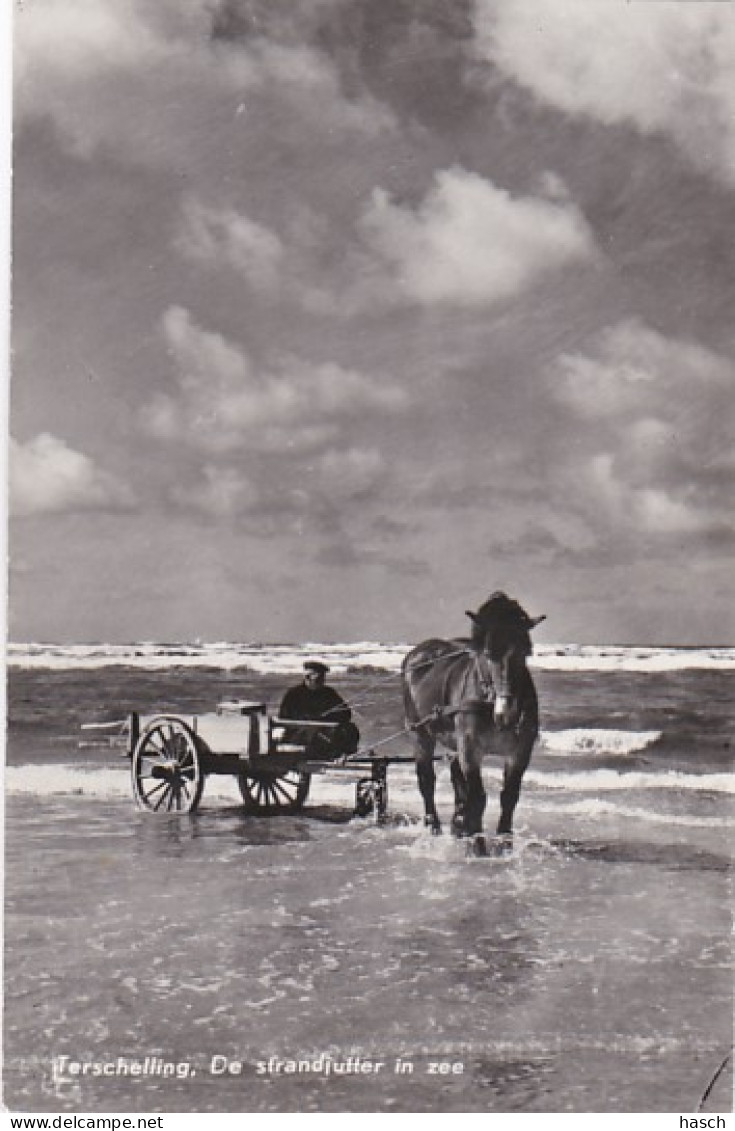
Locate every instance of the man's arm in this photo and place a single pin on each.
(335, 709)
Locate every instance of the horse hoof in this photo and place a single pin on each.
(503, 845)
(477, 846)
(434, 825)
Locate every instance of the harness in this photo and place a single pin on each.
(483, 700)
(483, 687)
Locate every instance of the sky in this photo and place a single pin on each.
(331, 318)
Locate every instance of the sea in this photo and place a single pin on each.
(321, 962)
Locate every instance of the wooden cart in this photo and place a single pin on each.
(172, 755)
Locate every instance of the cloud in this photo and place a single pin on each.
(47, 476)
(223, 401)
(661, 510)
(222, 492)
(80, 39)
(631, 368)
(224, 236)
(140, 80)
(350, 474)
(471, 243)
(305, 80)
(347, 555)
(64, 51)
(311, 491)
(664, 66)
(652, 427)
(310, 264)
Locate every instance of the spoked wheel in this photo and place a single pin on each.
(167, 773)
(269, 794)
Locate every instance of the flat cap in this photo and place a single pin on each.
(316, 666)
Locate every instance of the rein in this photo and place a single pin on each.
(384, 679)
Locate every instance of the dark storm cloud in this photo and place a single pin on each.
(410, 53)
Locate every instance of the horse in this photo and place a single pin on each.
(475, 696)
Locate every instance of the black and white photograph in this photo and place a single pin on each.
(370, 657)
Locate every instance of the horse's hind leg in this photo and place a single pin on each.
(426, 776)
(459, 817)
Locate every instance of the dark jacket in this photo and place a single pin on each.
(304, 702)
(311, 704)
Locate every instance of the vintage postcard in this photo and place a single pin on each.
(371, 630)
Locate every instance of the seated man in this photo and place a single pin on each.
(313, 700)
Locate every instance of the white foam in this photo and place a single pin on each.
(594, 781)
(114, 782)
(588, 657)
(595, 808)
(590, 740)
(60, 780)
(284, 659)
(544, 795)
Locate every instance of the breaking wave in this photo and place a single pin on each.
(599, 781)
(592, 807)
(582, 740)
(114, 782)
(284, 659)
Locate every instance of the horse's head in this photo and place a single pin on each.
(501, 634)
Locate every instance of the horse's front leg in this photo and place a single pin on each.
(516, 747)
(426, 777)
(517, 757)
(466, 771)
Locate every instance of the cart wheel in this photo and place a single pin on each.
(167, 774)
(269, 794)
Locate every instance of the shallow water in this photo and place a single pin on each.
(589, 970)
(576, 975)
